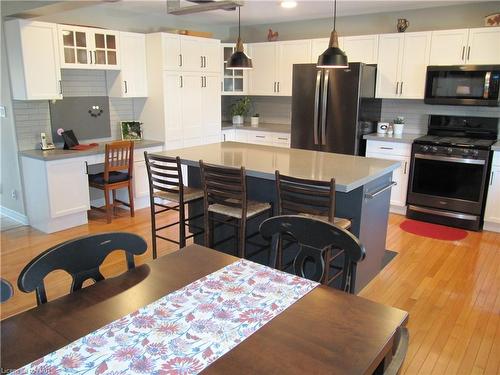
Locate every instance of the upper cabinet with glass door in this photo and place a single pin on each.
(88, 48)
(234, 81)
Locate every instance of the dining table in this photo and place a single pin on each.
(325, 331)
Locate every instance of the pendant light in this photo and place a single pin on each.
(333, 57)
(238, 59)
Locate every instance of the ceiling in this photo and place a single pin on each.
(253, 12)
(270, 11)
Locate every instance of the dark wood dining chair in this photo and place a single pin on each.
(393, 364)
(311, 198)
(81, 258)
(314, 237)
(226, 202)
(118, 167)
(6, 290)
(165, 185)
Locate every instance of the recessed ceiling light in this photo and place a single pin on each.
(288, 4)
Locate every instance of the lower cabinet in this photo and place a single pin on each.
(492, 211)
(399, 152)
(257, 137)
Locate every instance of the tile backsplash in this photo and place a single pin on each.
(416, 112)
(272, 109)
(33, 117)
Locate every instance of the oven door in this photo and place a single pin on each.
(447, 183)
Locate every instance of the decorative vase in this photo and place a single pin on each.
(398, 129)
(254, 121)
(238, 120)
(402, 25)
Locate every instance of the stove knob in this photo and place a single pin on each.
(465, 152)
(434, 149)
(449, 150)
(425, 148)
(475, 153)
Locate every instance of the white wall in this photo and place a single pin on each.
(439, 18)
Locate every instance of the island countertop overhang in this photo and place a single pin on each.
(350, 172)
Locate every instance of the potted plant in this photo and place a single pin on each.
(254, 120)
(239, 110)
(399, 124)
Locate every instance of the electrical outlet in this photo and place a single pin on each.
(13, 194)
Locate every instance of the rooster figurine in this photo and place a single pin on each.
(272, 36)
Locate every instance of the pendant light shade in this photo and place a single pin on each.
(238, 59)
(333, 57)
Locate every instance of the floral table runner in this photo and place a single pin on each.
(185, 331)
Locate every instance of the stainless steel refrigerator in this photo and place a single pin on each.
(330, 107)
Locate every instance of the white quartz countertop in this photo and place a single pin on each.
(59, 153)
(263, 126)
(496, 146)
(350, 172)
(404, 138)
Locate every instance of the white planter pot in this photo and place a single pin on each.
(398, 129)
(254, 121)
(238, 120)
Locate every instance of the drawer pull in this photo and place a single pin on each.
(260, 136)
(283, 139)
(386, 148)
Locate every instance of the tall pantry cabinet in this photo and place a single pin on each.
(183, 108)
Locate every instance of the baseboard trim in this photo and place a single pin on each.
(492, 227)
(14, 215)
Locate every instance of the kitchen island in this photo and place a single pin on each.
(362, 187)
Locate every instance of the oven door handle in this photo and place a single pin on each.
(450, 159)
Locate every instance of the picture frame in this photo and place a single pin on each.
(131, 130)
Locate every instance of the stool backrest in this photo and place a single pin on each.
(165, 174)
(314, 237)
(224, 185)
(119, 156)
(297, 195)
(81, 258)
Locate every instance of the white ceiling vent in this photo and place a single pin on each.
(179, 8)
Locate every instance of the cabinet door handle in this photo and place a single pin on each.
(404, 172)
(181, 82)
(260, 136)
(468, 53)
(180, 59)
(401, 88)
(463, 53)
(274, 87)
(202, 81)
(126, 87)
(278, 87)
(283, 139)
(201, 58)
(492, 177)
(60, 87)
(204, 61)
(397, 87)
(90, 53)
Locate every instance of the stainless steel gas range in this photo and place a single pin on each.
(449, 171)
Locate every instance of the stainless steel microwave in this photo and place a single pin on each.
(463, 85)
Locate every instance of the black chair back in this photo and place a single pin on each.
(6, 290)
(165, 174)
(314, 237)
(81, 258)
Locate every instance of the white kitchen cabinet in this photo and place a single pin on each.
(478, 46)
(318, 46)
(141, 182)
(227, 135)
(398, 152)
(260, 137)
(211, 106)
(449, 47)
(131, 80)
(234, 81)
(88, 48)
(362, 48)
(402, 65)
(191, 113)
(492, 210)
(262, 78)
(173, 85)
(273, 66)
(190, 54)
(484, 46)
(33, 56)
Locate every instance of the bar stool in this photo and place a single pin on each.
(118, 167)
(314, 199)
(225, 192)
(165, 184)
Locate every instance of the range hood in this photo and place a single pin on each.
(179, 8)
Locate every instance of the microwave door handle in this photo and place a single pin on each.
(316, 107)
(324, 107)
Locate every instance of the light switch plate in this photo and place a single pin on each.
(2, 111)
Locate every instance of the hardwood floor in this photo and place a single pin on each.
(451, 289)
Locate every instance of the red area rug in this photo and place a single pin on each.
(439, 232)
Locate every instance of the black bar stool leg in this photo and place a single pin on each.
(182, 226)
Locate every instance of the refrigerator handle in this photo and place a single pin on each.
(316, 107)
(324, 103)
